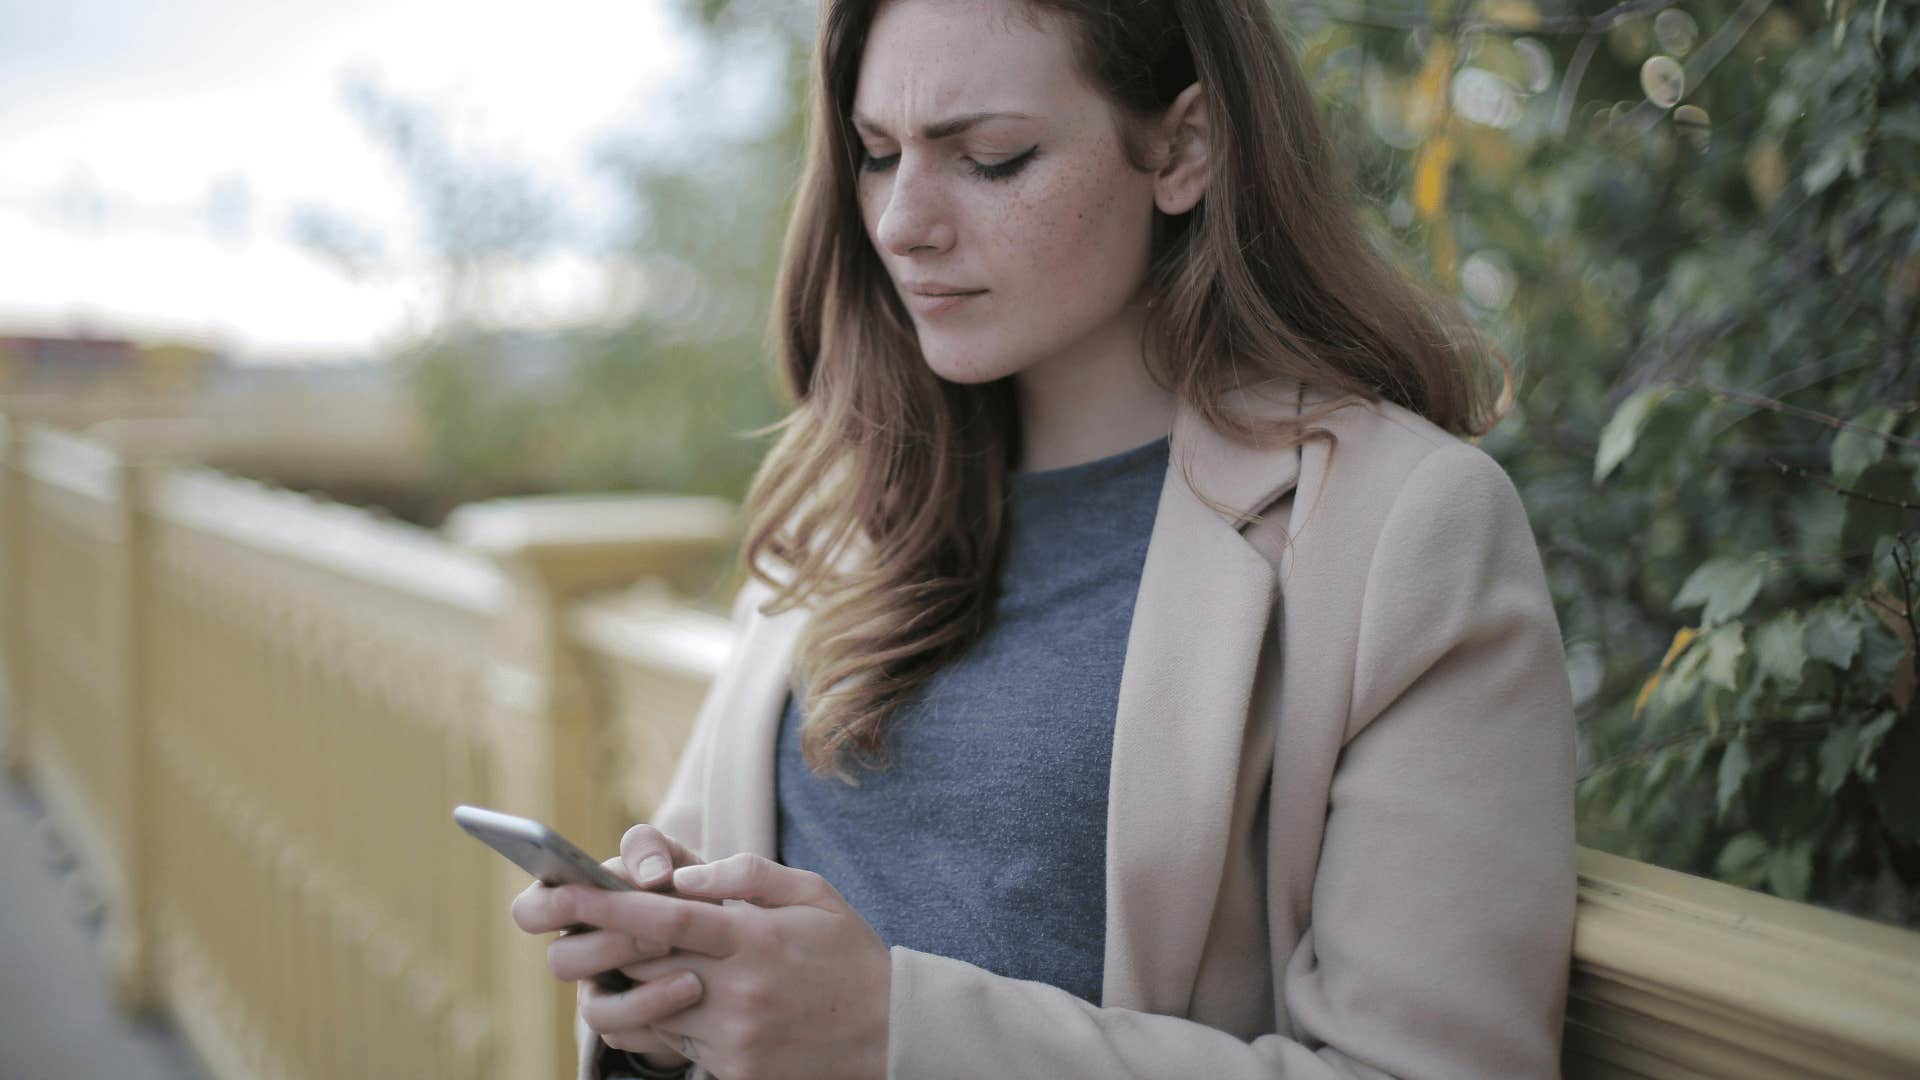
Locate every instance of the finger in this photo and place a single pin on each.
(645, 1004)
(705, 928)
(572, 957)
(675, 1039)
(753, 878)
(618, 868)
(657, 968)
(650, 855)
(646, 1040)
(534, 911)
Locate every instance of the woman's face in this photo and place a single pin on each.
(1038, 211)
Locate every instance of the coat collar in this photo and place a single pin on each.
(1205, 603)
(1243, 479)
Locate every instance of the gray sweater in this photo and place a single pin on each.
(985, 839)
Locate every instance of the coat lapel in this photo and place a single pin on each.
(741, 815)
(1206, 601)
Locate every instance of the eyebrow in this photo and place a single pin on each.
(953, 125)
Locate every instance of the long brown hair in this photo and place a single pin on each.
(881, 504)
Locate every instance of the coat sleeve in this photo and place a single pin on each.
(1443, 900)
(680, 813)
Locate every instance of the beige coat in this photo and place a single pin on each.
(1340, 819)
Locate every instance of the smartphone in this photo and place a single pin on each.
(550, 858)
(538, 850)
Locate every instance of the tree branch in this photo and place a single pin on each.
(1775, 405)
(1570, 84)
(1640, 753)
(1850, 493)
(1906, 569)
(1469, 24)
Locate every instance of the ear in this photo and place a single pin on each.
(1185, 141)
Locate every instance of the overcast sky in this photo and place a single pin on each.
(153, 156)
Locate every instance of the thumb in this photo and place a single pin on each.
(753, 878)
(650, 855)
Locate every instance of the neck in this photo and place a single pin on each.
(1093, 401)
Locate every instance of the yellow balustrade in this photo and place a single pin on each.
(252, 713)
(1677, 976)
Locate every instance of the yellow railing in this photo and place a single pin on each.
(251, 712)
(1676, 975)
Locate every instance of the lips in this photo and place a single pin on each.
(929, 297)
(937, 303)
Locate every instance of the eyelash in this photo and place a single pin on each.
(1002, 171)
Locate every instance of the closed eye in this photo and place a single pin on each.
(998, 171)
(1004, 169)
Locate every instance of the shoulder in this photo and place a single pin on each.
(1386, 444)
(1388, 474)
(1438, 559)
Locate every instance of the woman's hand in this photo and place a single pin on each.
(795, 983)
(582, 951)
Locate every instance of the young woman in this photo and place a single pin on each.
(1139, 676)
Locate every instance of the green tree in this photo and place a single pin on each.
(1697, 230)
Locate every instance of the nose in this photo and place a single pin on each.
(914, 217)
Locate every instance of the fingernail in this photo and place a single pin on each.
(691, 877)
(652, 867)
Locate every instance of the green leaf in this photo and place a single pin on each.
(1733, 769)
(1743, 861)
(1724, 586)
(1722, 647)
(1661, 764)
(1880, 654)
(1837, 756)
(1779, 648)
(1855, 451)
(1872, 733)
(1833, 634)
(1790, 871)
(1681, 680)
(1696, 756)
(1623, 430)
(1826, 168)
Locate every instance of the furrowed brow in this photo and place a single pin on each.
(951, 126)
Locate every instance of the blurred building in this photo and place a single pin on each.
(81, 363)
(65, 362)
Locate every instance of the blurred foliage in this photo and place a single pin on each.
(611, 410)
(664, 399)
(1696, 229)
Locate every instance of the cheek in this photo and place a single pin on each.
(869, 217)
(1077, 243)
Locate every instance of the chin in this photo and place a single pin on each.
(958, 367)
